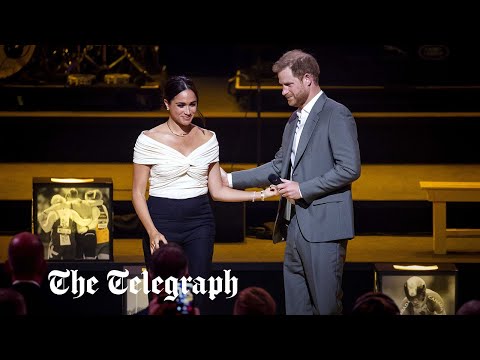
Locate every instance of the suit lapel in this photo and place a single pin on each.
(290, 133)
(308, 128)
(278, 231)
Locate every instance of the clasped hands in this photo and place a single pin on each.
(270, 191)
(289, 190)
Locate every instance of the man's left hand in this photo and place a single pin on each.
(289, 189)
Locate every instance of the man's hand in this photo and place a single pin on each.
(224, 176)
(289, 190)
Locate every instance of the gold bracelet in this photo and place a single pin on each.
(254, 194)
(262, 195)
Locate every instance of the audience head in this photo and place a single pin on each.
(471, 307)
(375, 303)
(254, 301)
(169, 260)
(12, 303)
(26, 257)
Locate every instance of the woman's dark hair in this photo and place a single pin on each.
(175, 85)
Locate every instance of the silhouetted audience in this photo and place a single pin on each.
(27, 267)
(168, 260)
(375, 303)
(254, 301)
(12, 303)
(471, 307)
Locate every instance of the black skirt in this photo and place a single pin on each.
(188, 222)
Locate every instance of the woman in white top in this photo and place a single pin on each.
(180, 162)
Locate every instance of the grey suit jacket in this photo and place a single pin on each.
(327, 162)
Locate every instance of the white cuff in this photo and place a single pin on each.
(230, 181)
(301, 196)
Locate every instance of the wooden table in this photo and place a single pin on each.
(441, 192)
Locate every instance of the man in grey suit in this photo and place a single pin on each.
(317, 162)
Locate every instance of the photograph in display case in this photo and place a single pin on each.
(74, 217)
(419, 289)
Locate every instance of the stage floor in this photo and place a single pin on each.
(362, 249)
(367, 249)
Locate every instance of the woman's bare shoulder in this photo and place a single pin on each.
(205, 133)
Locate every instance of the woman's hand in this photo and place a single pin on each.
(270, 191)
(155, 240)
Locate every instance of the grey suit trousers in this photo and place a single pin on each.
(312, 274)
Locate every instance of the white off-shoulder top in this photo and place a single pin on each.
(174, 175)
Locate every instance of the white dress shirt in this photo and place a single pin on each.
(302, 119)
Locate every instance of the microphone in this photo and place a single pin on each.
(274, 179)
